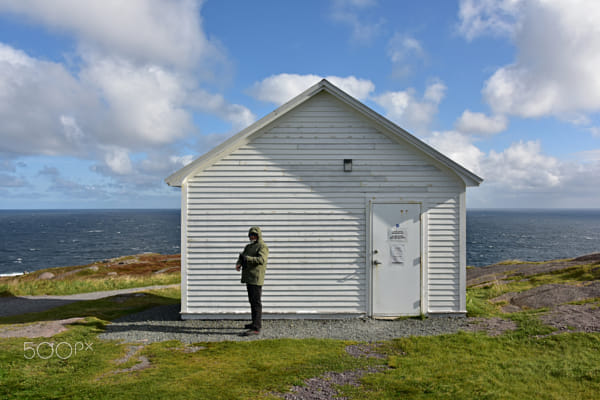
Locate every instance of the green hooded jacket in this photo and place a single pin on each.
(256, 253)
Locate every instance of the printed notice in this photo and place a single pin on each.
(397, 234)
(397, 253)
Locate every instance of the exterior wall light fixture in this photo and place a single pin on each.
(348, 165)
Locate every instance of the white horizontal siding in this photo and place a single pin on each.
(443, 246)
(289, 180)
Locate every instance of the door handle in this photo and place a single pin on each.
(377, 263)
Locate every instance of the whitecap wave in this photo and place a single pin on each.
(12, 274)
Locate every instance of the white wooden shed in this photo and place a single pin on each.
(361, 218)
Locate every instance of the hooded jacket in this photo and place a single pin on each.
(256, 253)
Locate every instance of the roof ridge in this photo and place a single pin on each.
(178, 177)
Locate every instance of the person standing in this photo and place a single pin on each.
(253, 264)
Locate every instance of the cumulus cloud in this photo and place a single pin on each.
(480, 124)
(47, 110)
(130, 87)
(459, 148)
(283, 87)
(521, 166)
(404, 107)
(40, 103)
(144, 173)
(555, 71)
(145, 103)
(148, 31)
(413, 113)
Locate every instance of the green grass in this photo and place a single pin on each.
(32, 287)
(527, 363)
(227, 370)
(120, 273)
(469, 366)
(516, 365)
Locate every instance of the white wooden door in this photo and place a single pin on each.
(396, 259)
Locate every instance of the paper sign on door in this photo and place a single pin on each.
(397, 253)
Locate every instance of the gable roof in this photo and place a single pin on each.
(228, 146)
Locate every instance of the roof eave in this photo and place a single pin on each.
(178, 178)
(468, 177)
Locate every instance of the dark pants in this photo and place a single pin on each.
(254, 293)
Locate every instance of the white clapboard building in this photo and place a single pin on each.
(361, 218)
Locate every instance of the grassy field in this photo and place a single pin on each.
(529, 363)
(119, 273)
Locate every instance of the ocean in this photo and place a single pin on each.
(530, 235)
(32, 240)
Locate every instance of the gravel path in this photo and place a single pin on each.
(162, 323)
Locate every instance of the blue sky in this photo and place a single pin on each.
(101, 100)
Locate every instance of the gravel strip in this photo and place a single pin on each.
(162, 323)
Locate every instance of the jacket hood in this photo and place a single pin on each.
(256, 230)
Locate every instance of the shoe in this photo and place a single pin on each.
(251, 332)
(249, 326)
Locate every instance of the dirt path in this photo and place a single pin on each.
(18, 305)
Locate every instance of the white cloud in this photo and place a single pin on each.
(479, 123)
(47, 110)
(146, 104)
(459, 148)
(40, 103)
(71, 129)
(130, 86)
(496, 17)
(117, 159)
(521, 175)
(355, 87)
(402, 46)
(238, 115)
(555, 72)
(435, 92)
(181, 161)
(403, 51)
(589, 156)
(408, 111)
(143, 172)
(147, 31)
(281, 88)
(521, 166)
(351, 13)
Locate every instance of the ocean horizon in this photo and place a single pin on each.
(37, 239)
